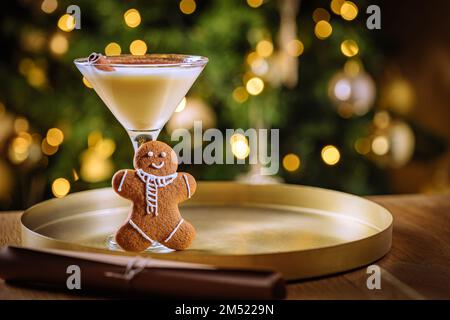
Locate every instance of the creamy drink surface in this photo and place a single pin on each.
(142, 98)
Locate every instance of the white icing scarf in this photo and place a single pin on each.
(152, 183)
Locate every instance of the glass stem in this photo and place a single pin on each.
(138, 137)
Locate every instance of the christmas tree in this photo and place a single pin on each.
(306, 68)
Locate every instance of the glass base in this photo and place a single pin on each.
(156, 247)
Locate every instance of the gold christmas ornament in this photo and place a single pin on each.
(352, 93)
(392, 143)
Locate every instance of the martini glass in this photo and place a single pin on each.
(142, 92)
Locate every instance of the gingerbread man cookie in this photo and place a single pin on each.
(156, 189)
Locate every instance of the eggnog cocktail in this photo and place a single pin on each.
(141, 91)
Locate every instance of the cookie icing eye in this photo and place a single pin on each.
(163, 154)
(150, 153)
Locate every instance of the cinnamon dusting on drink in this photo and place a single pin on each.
(105, 63)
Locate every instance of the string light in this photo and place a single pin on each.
(323, 29)
(138, 48)
(19, 150)
(60, 187)
(21, 124)
(240, 95)
(113, 49)
(239, 146)
(188, 6)
(181, 106)
(362, 146)
(260, 66)
(349, 10)
(255, 3)
(295, 48)
(66, 22)
(252, 57)
(48, 149)
(349, 48)
(264, 48)
(291, 162)
(330, 155)
(380, 145)
(36, 77)
(336, 6)
(93, 138)
(59, 44)
(321, 14)
(105, 148)
(352, 67)
(55, 137)
(254, 86)
(382, 119)
(96, 164)
(132, 18)
(87, 83)
(48, 6)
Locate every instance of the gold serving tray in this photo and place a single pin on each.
(300, 231)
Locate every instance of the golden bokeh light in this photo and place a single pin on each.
(349, 48)
(352, 67)
(59, 44)
(48, 6)
(25, 65)
(321, 14)
(66, 22)
(264, 48)
(382, 119)
(255, 86)
(60, 187)
(239, 146)
(18, 150)
(336, 6)
(55, 137)
(188, 6)
(240, 95)
(48, 149)
(87, 83)
(21, 124)
(380, 145)
(181, 106)
(93, 138)
(291, 162)
(345, 110)
(330, 155)
(36, 77)
(362, 146)
(255, 3)
(113, 49)
(132, 18)
(252, 57)
(295, 48)
(20, 145)
(349, 10)
(138, 48)
(105, 148)
(323, 29)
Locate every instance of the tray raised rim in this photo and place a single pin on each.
(353, 253)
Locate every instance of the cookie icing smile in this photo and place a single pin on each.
(158, 166)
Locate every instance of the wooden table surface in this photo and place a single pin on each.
(417, 267)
